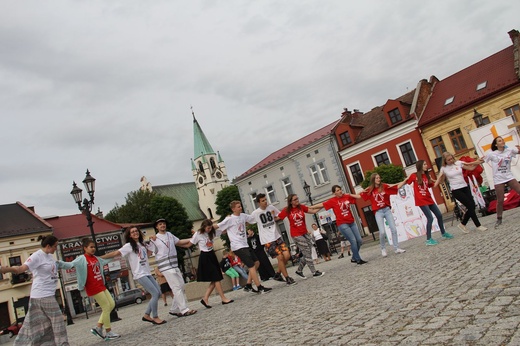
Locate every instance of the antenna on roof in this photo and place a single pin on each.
(192, 113)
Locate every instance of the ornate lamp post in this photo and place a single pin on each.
(477, 118)
(307, 190)
(85, 206)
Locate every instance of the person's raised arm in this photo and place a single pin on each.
(14, 270)
(469, 166)
(184, 243)
(111, 254)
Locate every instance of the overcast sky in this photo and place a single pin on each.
(108, 85)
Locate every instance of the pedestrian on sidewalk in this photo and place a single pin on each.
(422, 181)
(340, 204)
(91, 280)
(44, 323)
(345, 244)
(321, 244)
(500, 159)
(452, 170)
(209, 268)
(379, 195)
(136, 253)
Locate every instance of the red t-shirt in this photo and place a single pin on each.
(95, 283)
(296, 220)
(379, 199)
(421, 192)
(341, 208)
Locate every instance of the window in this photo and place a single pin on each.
(511, 112)
(271, 196)
(449, 100)
(481, 86)
(357, 175)
(395, 116)
(287, 187)
(253, 200)
(319, 173)
(382, 159)
(345, 138)
(438, 146)
(457, 140)
(408, 154)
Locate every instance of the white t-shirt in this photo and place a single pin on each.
(267, 227)
(45, 274)
(454, 175)
(317, 234)
(501, 164)
(236, 229)
(165, 251)
(202, 240)
(138, 261)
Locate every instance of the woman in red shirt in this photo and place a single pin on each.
(296, 214)
(423, 199)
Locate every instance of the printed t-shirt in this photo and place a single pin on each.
(267, 228)
(341, 208)
(202, 240)
(236, 229)
(296, 218)
(454, 175)
(380, 199)
(45, 274)
(421, 193)
(95, 282)
(501, 164)
(138, 261)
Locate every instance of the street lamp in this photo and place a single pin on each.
(90, 184)
(307, 190)
(477, 118)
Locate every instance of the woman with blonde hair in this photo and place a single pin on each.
(452, 170)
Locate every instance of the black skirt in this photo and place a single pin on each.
(209, 268)
(322, 246)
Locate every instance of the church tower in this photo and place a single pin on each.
(209, 171)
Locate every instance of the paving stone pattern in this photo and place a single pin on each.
(464, 291)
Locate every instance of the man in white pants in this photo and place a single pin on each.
(167, 263)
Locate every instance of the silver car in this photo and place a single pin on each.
(135, 295)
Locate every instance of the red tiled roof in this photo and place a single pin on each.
(294, 146)
(75, 226)
(497, 70)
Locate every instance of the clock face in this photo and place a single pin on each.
(219, 175)
(201, 180)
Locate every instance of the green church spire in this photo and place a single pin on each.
(201, 143)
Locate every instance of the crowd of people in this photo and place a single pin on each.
(249, 251)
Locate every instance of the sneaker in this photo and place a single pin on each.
(248, 288)
(300, 274)
(481, 228)
(398, 251)
(235, 288)
(290, 281)
(317, 274)
(111, 336)
(383, 252)
(462, 228)
(353, 260)
(498, 223)
(341, 256)
(432, 242)
(447, 235)
(361, 262)
(262, 289)
(239, 287)
(97, 332)
(278, 277)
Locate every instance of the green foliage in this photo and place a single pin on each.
(224, 197)
(136, 209)
(176, 216)
(390, 174)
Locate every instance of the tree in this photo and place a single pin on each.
(136, 209)
(390, 174)
(224, 198)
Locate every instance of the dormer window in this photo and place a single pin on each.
(395, 116)
(481, 85)
(449, 100)
(345, 138)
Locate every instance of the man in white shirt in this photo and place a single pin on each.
(235, 226)
(270, 237)
(167, 263)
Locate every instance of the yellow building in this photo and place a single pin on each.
(477, 95)
(20, 228)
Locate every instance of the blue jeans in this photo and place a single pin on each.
(240, 270)
(428, 210)
(351, 233)
(381, 215)
(152, 287)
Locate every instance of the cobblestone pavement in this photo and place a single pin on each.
(464, 291)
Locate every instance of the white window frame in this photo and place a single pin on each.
(286, 185)
(398, 147)
(352, 176)
(379, 153)
(270, 194)
(319, 173)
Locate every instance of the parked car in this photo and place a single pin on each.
(132, 296)
(12, 330)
